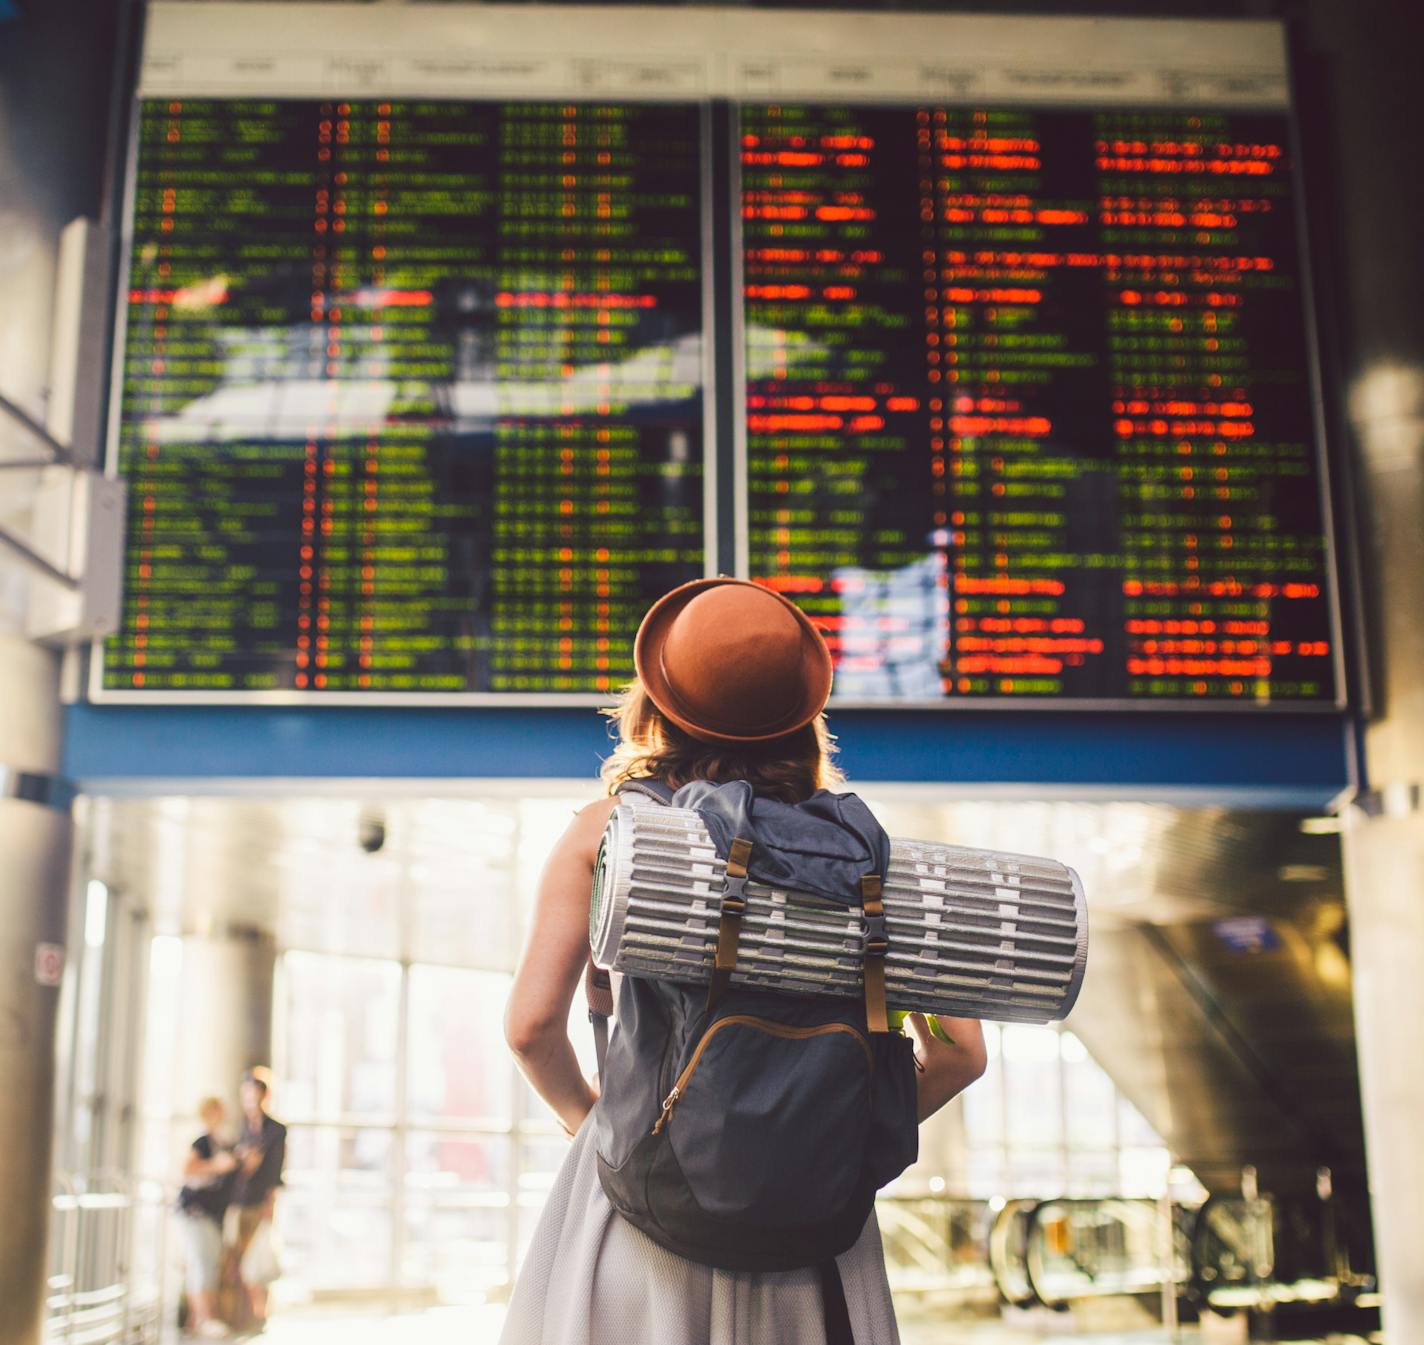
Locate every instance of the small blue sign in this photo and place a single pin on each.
(1247, 934)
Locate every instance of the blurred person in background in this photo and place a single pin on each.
(251, 1265)
(208, 1176)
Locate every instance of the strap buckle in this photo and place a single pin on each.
(874, 937)
(734, 899)
(729, 920)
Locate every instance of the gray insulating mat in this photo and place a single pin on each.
(973, 933)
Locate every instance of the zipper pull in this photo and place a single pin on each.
(669, 1103)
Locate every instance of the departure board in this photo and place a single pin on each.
(448, 341)
(1029, 409)
(411, 393)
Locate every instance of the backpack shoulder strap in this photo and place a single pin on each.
(653, 789)
(598, 991)
(834, 1311)
(597, 985)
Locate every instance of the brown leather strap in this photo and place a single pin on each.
(729, 927)
(875, 944)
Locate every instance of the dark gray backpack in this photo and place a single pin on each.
(750, 1129)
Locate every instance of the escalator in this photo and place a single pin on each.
(1077, 1249)
(1297, 1265)
(1218, 999)
(1291, 1267)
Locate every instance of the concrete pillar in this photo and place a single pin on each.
(1384, 842)
(35, 843)
(1363, 93)
(226, 1024)
(1384, 859)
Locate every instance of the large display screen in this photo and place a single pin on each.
(1029, 406)
(440, 346)
(411, 394)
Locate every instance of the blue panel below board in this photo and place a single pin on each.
(1284, 761)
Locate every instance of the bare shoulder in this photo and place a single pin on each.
(595, 814)
(600, 808)
(585, 829)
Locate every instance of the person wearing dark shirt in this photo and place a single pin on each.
(207, 1184)
(260, 1151)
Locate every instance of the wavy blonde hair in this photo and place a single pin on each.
(650, 746)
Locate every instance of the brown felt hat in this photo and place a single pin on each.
(729, 661)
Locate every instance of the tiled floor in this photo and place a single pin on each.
(481, 1326)
(1001, 1333)
(435, 1326)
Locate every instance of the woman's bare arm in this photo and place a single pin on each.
(949, 1070)
(536, 1017)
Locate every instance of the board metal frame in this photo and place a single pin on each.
(830, 41)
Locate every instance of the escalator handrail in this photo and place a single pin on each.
(998, 1234)
(1033, 1263)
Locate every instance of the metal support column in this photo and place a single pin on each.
(35, 842)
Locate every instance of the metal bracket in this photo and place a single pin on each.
(61, 452)
(59, 456)
(1399, 799)
(19, 547)
(50, 791)
(75, 546)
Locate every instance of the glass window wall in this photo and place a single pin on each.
(419, 1158)
(1046, 1120)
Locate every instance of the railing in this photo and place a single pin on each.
(106, 1256)
(937, 1251)
(108, 1252)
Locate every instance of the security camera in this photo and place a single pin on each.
(371, 832)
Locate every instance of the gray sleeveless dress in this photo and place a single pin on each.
(591, 1278)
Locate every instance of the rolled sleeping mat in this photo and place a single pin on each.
(973, 933)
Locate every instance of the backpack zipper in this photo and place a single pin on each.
(765, 1025)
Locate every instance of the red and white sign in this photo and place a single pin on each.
(49, 963)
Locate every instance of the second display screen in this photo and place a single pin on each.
(1028, 403)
